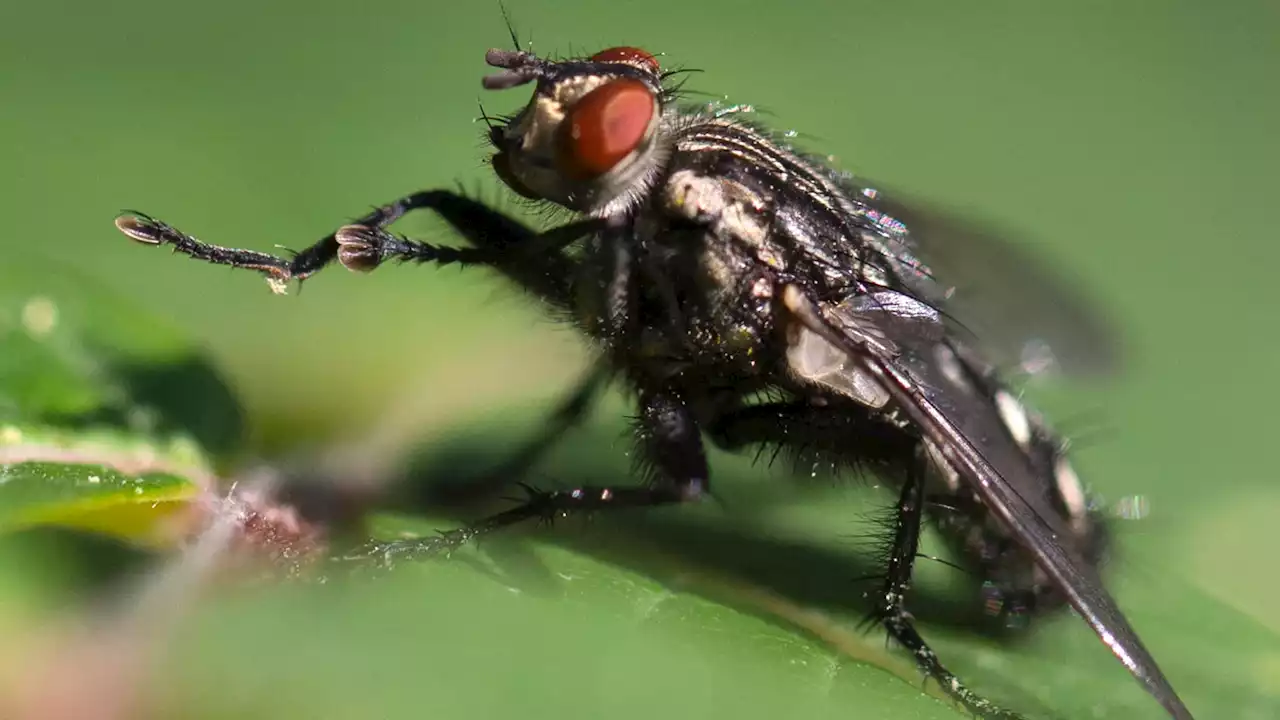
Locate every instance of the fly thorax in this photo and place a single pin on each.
(704, 274)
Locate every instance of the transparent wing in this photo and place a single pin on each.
(918, 364)
(1021, 312)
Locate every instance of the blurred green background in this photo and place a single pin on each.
(1133, 145)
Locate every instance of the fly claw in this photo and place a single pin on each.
(140, 227)
(359, 249)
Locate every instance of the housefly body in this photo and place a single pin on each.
(750, 294)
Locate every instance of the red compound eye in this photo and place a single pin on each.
(602, 128)
(627, 55)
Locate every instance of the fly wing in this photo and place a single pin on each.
(922, 368)
(1020, 311)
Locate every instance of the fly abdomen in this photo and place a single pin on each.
(1014, 585)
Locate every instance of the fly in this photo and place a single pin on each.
(751, 294)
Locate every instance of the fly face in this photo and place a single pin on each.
(589, 133)
(719, 267)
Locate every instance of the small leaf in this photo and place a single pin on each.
(520, 629)
(102, 481)
(74, 353)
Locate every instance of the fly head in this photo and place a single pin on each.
(589, 139)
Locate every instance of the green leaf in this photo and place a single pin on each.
(108, 415)
(74, 353)
(747, 609)
(529, 631)
(663, 614)
(100, 481)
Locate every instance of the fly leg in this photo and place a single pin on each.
(568, 414)
(534, 260)
(489, 230)
(669, 445)
(891, 609)
(836, 434)
(806, 428)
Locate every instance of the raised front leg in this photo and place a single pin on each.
(489, 231)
